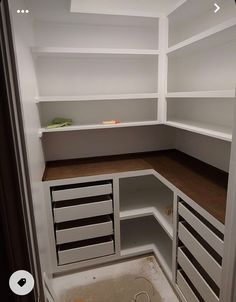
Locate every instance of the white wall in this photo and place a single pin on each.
(23, 38)
(64, 145)
(210, 150)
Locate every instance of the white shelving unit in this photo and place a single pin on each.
(145, 196)
(132, 62)
(201, 59)
(98, 78)
(80, 61)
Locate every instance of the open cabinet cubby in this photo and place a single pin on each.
(144, 196)
(145, 234)
(213, 117)
(200, 16)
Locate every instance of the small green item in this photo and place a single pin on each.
(60, 122)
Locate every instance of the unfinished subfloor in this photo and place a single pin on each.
(138, 280)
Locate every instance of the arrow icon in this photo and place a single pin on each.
(217, 7)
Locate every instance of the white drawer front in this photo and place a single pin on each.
(185, 288)
(83, 211)
(81, 192)
(198, 281)
(211, 238)
(86, 252)
(210, 265)
(84, 232)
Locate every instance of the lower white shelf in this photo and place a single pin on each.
(97, 126)
(144, 196)
(145, 235)
(217, 131)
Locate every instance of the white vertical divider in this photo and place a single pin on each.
(162, 67)
(116, 205)
(228, 291)
(175, 238)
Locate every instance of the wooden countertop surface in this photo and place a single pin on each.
(203, 183)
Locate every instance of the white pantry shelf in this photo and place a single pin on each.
(202, 94)
(66, 51)
(165, 222)
(219, 34)
(118, 13)
(97, 126)
(97, 97)
(216, 131)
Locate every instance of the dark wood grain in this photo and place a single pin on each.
(205, 184)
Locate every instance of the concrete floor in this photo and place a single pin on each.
(138, 280)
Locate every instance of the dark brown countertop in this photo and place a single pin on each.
(203, 183)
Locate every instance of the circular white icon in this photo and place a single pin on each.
(21, 283)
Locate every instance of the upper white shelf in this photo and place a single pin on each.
(96, 97)
(64, 51)
(220, 34)
(119, 13)
(117, 8)
(202, 94)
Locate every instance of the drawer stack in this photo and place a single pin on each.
(83, 221)
(199, 256)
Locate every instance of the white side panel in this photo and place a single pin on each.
(23, 39)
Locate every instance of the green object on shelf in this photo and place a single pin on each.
(60, 122)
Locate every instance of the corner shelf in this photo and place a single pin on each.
(215, 131)
(202, 94)
(219, 34)
(96, 97)
(65, 51)
(158, 199)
